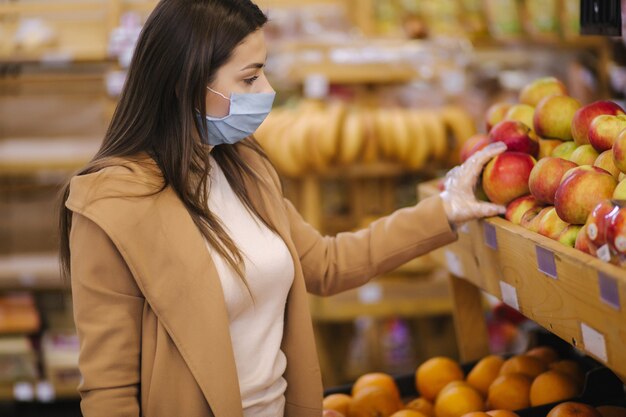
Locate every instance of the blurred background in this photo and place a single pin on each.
(389, 89)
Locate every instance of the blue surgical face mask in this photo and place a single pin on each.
(247, 112)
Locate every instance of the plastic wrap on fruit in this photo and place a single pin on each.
(459, 201)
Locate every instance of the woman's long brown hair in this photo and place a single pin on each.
(180, 49)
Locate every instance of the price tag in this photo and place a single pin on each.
(454, 264)
(491, 239)
(23, 391)
(370, 293)
(609, 291)
(316, 86)
(594, 342)
(45, 392)
(604, 253)
(509, 295)
(546, 262)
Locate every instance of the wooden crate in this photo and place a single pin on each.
(570, 293)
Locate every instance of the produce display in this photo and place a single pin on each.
(499, 385)
(563, 172)
(314, 136)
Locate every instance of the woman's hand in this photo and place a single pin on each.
(459, 201)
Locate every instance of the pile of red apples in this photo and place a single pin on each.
(563, 174)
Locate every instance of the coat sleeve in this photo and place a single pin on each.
(107, 311)
(338, 263)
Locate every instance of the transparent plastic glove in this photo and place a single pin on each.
(459, 201)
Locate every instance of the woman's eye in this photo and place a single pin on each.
(251, 80)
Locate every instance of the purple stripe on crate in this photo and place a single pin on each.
(491, 239)
(609, 291)
(545, 262)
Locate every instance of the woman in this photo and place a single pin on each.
(189, 270)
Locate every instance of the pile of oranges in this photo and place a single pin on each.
(537, 377)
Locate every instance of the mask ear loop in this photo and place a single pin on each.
(218, 93)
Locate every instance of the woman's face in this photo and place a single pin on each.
(243, 73)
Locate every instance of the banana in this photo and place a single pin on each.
(401, 135)
(371, 147)
(436, 134)
(316, 158)
(419, 149)
(384, 135)
(330, 131)
(352, 137)
(462, 126)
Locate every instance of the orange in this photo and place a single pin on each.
(377, 379)
(332, 413)
(476, 414)
(611, 411)
(337, 402)
(545, 353)
(570, 408)
(526, 365)
(423, 406)
(570, 368)
(458, 400)
(373, 401)
(552, 386)
(434, 374)
(484, 373)
(502, 413)
(407, 413)
(510, 392)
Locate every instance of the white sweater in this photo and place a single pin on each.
(256, 327)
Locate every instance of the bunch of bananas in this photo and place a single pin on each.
(313, 137)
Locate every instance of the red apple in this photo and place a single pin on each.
(473, 145)
(506, 176)
(616, 231)
(518, 207)
(573, 409)
(564, 150)
(585, 115)
(551, 225)
(516, 135)
(584, 155)
(522, 113)
(605, 161)
(619, 151)
(532, 218)
(597, 223)
(604, 129)
(553, 117)
(569, 235)
(581, 189)
(582, 242)
(532, 93)
(495, 114)
(547, 146)
(546, 176)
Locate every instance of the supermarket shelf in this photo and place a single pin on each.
(572, 294)
(60, 392)
(30, 271)
(582, 42)
(31, 155)
(390, 295)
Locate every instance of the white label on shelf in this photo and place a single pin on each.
(370, 293)
(23, 391)
(316, 86)
(594, 342)
(45, 392)
(509, 294)
(464, 228)
(57, 58)
(604, 253)
(454, 264)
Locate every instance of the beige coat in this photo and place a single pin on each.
(149, 307)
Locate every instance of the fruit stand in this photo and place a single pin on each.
(570, 293)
